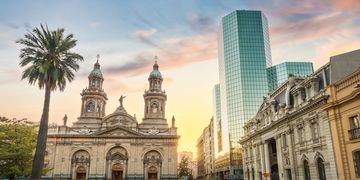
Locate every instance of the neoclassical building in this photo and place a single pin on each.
(290, 138)
(344, 112)
(115, 146)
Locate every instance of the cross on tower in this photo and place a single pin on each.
(156, 59)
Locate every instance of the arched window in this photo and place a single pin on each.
(306, 170)
(321, 169)
(154, 107)
(90, 107)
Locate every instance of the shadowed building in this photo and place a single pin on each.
(115, 146)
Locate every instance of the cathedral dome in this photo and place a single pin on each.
(155, 73)
(96, 72)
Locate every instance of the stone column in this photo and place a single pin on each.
(292, 155)
(279, 156)
(262, 160)
(267, 158)
(255, 164)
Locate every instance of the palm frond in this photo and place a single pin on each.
(47, 57)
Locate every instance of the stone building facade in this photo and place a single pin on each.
(344, 113)
(115, 146)
(343, 108)
(290, 137)
(205, 153)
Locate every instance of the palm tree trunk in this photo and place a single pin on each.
(38, 162)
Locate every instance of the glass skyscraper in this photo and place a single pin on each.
(244, 55)
(278, 74)
(217, 119)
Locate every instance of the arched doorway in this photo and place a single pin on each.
(152, 173)
(152, 165)
(116, 163)
(80, 164)
(81, 173)
(117, 171)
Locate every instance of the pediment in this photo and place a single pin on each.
(118, 131)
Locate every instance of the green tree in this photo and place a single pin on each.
(17, 144)
(49, 63)
(184, 169)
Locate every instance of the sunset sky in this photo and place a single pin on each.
(182, 33)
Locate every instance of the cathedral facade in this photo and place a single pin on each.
(114, 146)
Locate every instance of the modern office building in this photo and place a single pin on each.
(217, 119)
(278, 74)
(244, 55)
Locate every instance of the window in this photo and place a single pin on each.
(356, 157)
(306, 170)
(321, 169)
(315, 130)
(288, 174)
(354, 122)
(154, 107)
(301, 135)
(90, 107)
(253, 173)
(284, 140)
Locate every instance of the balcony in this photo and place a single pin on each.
(354, 133)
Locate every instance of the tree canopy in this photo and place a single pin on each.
(17, 144)
(185, 168)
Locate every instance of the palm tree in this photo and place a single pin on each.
(49, 63)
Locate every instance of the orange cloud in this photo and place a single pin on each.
(176, 52)
(310, 29)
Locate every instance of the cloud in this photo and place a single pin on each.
(94, 24)
(337, 44)
(12, 25)
(299, 21)
(116, 86)
(133, 68)
(176, 52)
(16, 26)
(309, 29)
(201, 23)
(144, 36)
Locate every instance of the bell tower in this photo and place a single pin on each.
(155, 99)
(93, 100)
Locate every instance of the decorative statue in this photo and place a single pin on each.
(65, 119)
(121, 100)
(173, 122)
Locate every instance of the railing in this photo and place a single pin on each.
(354, 133)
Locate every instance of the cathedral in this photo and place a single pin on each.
(114, 146)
